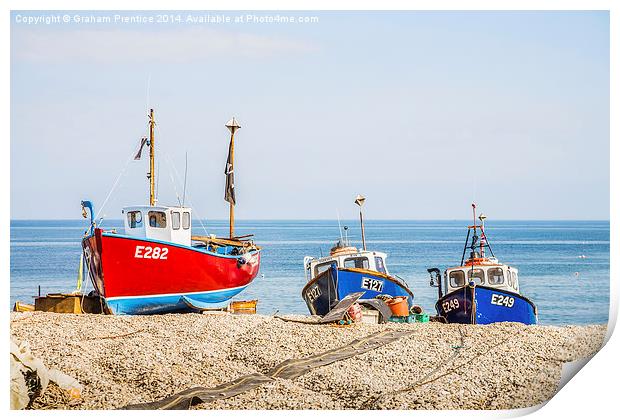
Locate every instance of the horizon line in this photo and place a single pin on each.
(329, 219)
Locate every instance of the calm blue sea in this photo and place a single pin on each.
(567, 289)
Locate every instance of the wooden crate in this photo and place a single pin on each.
(68, 304)
(243, 307)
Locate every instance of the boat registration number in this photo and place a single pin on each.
(151, 252)
(372, 284)
(313, 293)
(449, 305)
(501, 300)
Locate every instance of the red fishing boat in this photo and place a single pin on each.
(157, 266)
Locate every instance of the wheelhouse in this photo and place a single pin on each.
(349, 257)
(170, 224)
(497, 276)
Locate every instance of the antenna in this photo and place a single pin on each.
(157, 186)
(148, 91)
(339, 226)
(184, 180)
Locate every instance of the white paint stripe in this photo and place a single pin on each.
(112, 299)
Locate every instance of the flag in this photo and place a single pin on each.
(229, 193)
(139, 154)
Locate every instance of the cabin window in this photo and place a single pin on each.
(322, 267)
(457, 278)
(357, 262)
(157, 219)
(511, 281)
(176, 220)
(516, 281)
(186, 220)
(496, 276)
(379, 265)
(476, 275)
(134, 219)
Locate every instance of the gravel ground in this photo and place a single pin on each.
(134, 359)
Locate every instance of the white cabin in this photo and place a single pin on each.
(162, 223)
(491, 274)
(346, 257)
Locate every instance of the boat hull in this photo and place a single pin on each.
(140, 276)
(485, 305)
(323, 292)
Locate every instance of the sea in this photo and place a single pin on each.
(563, 265)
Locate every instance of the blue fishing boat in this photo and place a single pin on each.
(348, 270)
(481, 290)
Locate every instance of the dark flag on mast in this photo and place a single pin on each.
(229, 194)
(139, 154)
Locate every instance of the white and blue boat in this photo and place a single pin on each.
(348, 270)
(481, 290)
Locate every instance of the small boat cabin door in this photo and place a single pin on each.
(168, 224)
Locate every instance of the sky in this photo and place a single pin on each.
(421, 112)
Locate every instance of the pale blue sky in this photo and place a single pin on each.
(422, 112)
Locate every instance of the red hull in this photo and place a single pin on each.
(122, 266)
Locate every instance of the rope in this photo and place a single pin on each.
(174, 184)
(298, 321)
(171, 163)
(425, 380)
(118, 178)
(114, 336)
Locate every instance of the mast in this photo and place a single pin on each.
(473, 239)
(359, 200)
(483, 236)
(233, 126)
(473, 208)
(151, 174)
(231, 206)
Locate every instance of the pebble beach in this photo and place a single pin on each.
(122, 360)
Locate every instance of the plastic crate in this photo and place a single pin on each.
(402, 319)
(370, 316)
(421, 317)
(410, 318)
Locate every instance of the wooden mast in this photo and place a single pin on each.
(152, 158)
(233, 126)
(231, 213)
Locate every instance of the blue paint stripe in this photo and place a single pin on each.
(137, 305)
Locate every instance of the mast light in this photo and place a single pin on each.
(233, 125)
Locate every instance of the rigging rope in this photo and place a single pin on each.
(171, 163)
(118, 178)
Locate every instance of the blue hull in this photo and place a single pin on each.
(485, 305)
(324, 291)
(158, 304)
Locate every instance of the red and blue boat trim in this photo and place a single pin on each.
(147, 276)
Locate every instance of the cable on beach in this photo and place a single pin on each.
(289, 369)
(425, 380)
